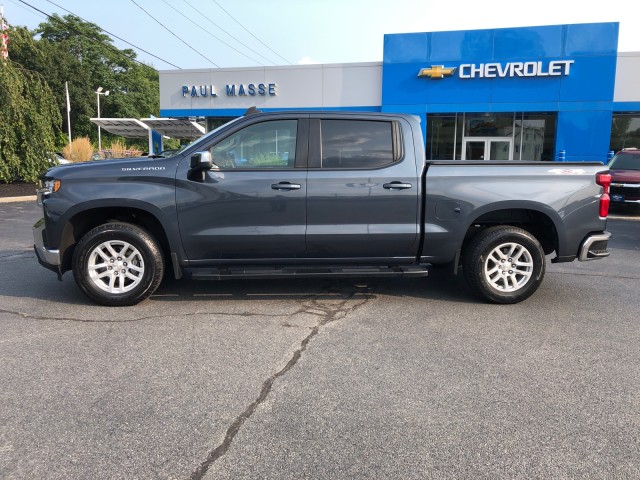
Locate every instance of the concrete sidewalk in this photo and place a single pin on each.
(28, 198)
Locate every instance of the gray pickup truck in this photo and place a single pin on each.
(316, 194)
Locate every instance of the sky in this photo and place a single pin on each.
(247, 33)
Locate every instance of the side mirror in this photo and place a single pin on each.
(200, 162)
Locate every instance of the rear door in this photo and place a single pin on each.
(252, 205)
(363, 190)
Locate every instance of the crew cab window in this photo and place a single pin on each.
(266, 145)
(355, 144)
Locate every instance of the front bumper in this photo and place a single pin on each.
(625, 193)
(594, 247)
(47, 258)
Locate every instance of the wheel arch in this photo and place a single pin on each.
(446, 238)
(540, 222)
(82, 221)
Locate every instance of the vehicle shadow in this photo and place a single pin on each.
(625, 211)
(38, 284)
(439, 285)
(23, 277)
(625, 231)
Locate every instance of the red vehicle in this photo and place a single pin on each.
(625, 176)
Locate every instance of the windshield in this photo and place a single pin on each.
(626, 162)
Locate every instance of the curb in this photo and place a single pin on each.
(28, 198)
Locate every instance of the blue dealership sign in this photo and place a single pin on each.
(564, 69)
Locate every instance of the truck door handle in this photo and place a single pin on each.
(397, 185)
(285, 186)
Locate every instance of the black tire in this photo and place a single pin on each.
(498, 279)
(118, 264)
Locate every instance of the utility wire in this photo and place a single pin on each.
(218, 26)
(27, 10)
(247, 30)
(168, 30)
(116, 36)
(88, 37)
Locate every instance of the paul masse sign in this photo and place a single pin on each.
(231, 90)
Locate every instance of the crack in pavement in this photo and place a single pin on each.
(330, 313)
(302, 310)
(343, 302)
(154, 317)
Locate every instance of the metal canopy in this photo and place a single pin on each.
(124, 127)
(175, 127)
(133, 128)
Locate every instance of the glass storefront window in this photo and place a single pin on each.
(499, 150)
(473, 136)
(532, 139)
(517, 138)
(459, 137)
(538, 137)
(441, 132)
(488, 125)
(625, 131)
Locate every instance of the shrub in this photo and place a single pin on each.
(29, 123)
(80, 150)
(119, 149)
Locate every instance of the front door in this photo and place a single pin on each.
(252, 204)
(487, 148)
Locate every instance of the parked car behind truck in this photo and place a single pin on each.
(317, 194)
(625, 177)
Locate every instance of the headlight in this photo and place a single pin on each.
(47, 187)
(50, 185)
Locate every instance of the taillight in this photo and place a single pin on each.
(604, 180)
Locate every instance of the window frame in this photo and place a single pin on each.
(302, 138)
(315, 142)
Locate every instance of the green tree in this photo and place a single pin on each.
(70, 49)
(29, 123)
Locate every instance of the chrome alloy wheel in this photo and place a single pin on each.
(508, 267)
(115, 266)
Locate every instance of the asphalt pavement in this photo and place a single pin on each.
(289, 379)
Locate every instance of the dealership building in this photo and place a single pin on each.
(547, 93)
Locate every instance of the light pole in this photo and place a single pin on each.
(98, 93)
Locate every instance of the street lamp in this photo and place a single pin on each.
(98, 93)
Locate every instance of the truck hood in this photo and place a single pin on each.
(93, 167)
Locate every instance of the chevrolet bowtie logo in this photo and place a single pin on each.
(437, 71)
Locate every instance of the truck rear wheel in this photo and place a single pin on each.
(504, 264)
(118, 264)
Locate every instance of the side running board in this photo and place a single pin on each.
(306, 272)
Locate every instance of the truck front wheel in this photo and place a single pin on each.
(504, 264)
(118, 264)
